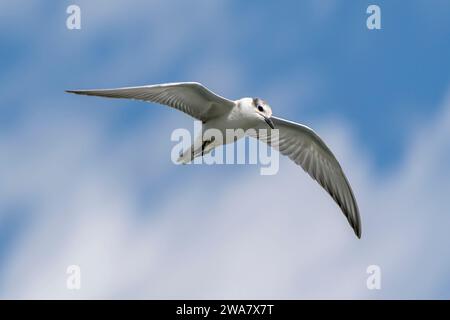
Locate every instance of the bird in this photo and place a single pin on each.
(294, 140)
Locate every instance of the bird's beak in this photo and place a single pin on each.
(269, 122)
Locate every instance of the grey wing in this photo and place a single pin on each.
(189, 97)
(303, 146)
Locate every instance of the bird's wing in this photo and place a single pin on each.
(303, 146)
(190, 97)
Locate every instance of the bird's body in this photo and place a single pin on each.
(234, 120)
(225, 124)
(232, 125)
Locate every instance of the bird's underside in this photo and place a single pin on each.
(198, 149)
(298, 142)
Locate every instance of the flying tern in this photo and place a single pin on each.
(300, 143)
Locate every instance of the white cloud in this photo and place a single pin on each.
(209, 240)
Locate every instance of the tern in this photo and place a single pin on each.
(296, 141)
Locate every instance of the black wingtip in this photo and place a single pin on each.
(84, 92)
(357, 232)
(356, 226)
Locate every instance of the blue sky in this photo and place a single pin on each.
(89, 181)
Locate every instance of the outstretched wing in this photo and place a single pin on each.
(303, 146)
(189, 97)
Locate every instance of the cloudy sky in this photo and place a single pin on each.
(89, 182)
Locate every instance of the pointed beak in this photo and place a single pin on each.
(269, 122)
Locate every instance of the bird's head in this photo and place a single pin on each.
(263, 110)
(258, 109)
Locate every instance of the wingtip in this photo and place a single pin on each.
(358, 232)
(356, 226)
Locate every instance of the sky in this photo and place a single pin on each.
(89, 182)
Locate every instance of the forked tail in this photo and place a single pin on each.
(194, 151)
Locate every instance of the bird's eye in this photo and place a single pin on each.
(260, 108)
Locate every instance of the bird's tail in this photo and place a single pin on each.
(194, 151)
(190, 154)
(186, 156)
